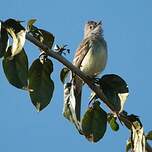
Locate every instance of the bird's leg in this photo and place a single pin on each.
(94, 79)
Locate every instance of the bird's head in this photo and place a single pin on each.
(92, 27)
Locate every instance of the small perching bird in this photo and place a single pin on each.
(90, 57)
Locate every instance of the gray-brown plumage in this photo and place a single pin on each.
(90, 57)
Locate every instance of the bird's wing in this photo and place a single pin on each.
(76, 86)
(81, 52)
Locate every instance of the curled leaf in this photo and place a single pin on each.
(30, 23)
(63, 74)
(115, 90)
(137, 134)
(17, 32)
(18, 42)
(94, 123)
(40, 83)
(69, 111)
(3, 40)
(41, 35)
(128, 146)
(138, 139)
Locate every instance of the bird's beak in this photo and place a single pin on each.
(99, 23)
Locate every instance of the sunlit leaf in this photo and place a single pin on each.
(94, 123)
(3, 40)
(137, 134)
(128, 146)
(69, 111)
(17, 32)
(14, 25)
(115, 90)
(16, 69)
(113, 123)
(41, 35)
(63, 74)
(30, 23)
(40, 83)
(138, 139)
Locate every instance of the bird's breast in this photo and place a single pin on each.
(95, 60)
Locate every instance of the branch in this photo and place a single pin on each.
(69, 65)
(77, 71)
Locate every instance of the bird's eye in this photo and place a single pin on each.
(91, 27)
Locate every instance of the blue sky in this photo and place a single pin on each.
(127, 30)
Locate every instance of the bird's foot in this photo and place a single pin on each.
(93, 79)
(96, 80)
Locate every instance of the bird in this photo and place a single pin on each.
(90, 57)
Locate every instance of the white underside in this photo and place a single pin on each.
(94, 61)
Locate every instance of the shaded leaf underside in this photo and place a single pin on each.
(40, 83)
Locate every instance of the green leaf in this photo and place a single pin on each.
(63, 74)
(137, 133)
(3, 40)
(94, 123)
(30, 23)
(133, 120)
(41, 35)
(113, 123)
(128, 146)
(14, 25)
(16, 69)
(17, 32)
(149, 135)
(40, 83)
(69, 111)
(115, 90)
(137, 137)
(47, 38)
